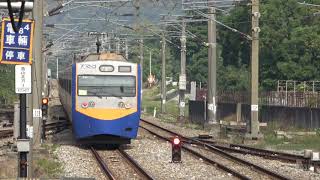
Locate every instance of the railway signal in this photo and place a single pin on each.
(176, 150)
(44, 108)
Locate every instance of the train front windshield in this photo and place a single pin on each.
(106, 86)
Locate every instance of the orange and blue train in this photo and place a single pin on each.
(101, 95)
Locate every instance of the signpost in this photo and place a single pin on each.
(16, 48)
(23, 87)
(23, 79)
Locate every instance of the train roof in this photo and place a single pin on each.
(103, 57)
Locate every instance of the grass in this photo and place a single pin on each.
(172, 109)
(47, 166)
(149, 103)
(297, 143)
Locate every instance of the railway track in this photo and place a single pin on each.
(51, 128)
(6, 133)
(238, 167)
(292, 158)
(268, 154)
(115, 163)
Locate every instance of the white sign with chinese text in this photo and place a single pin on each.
(254, 107)
(23, 79)
(37, 113)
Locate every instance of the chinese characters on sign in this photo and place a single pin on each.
(23, 79)
(16, 47)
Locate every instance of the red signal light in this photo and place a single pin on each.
(176, 150)
(176, 141)
(45, 101)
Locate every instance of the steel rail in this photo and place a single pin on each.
(102, 164)
(6, 133)
(225, 154)
(245, 149)
(258, 152)
(210, 161)
(135, 165)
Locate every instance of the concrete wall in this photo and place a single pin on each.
(297, 117)
(285, 117)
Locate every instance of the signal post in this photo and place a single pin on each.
(176, 150)
(254, 126)
(16, 49)
(182, 77)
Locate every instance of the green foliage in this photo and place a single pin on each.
(289, 46)
(7, 94)
(50, 167)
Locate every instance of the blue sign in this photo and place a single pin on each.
(16, 47)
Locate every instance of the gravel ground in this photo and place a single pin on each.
(242, 169)
(155, 156)
(182, 130)
(287, 169)
(78, 162)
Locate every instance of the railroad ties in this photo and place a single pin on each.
(114, 163)
(213, 155)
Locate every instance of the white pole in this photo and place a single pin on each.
(57, 77)
(150, 63)
(28, 6)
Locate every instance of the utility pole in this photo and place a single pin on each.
(37, 68)
(182, 77)
(254, 123)
(108, 43)
(141, 57)
(150, 59)
(163, 76)
(117, 45)
(45, 75)
(57, 76)
(212, 67)
(127, 49)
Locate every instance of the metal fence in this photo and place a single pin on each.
(269, 98)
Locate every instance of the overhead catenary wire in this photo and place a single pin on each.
(224, 25)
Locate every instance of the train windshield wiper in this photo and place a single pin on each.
(114, 95)
(96, 94)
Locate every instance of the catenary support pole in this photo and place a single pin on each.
(212, 68)
(163, 76)
(182, 77)
(141, 57)
(37, 68)
(254, 123)
(127, 49)
(45, 75)
(57, 76)
(150, 61)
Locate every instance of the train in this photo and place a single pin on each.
(101, 95)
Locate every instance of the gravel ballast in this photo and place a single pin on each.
(155, 156)
(78, 162)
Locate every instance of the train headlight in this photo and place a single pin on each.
(121, 105)
(106, 68)
(128, 106)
